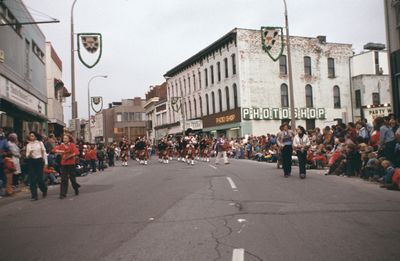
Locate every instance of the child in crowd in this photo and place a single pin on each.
(389, 172)
(9, 169)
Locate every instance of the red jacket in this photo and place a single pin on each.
(90, 154)
(67, 153)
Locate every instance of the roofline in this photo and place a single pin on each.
(231, 35)
(221, 41)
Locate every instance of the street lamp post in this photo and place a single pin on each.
(73, 98)
(97, 76)
(291, 95)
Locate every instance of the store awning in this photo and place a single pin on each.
(19, 111)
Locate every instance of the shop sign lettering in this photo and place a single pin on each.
(282, 113)
(225, 119)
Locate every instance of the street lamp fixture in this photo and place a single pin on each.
(94, 77)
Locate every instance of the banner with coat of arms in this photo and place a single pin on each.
(98, 102)
(272, 41)
(92, 43)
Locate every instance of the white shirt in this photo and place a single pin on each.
(38, 151)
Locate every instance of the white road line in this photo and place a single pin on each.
(212, 166)
(238, 254)
(232, 183)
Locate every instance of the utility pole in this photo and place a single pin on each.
(291, 94)
(74, 106)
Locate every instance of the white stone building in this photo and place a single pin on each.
(56, 91)
(370, 82)
(236, 89)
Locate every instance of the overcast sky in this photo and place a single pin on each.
(144, 39)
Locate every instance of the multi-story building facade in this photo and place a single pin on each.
(56, 92)
(392, 22)
(125, 119)
(370, 81)
(236, 89)
(23, 91)
(156, 112)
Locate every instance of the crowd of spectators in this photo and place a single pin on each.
(361, 149)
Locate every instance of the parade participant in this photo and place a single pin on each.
(141, 149)
(170, 147)
(179, 148)
(163, 151)
(68, 152)
(301, 143)
(90, 158)
(9, 169)
(16, 155)
(221, 146)
(124, 146)
(111, 155)
(160, 151)
(284, 141)
(101, 156)
(37, 158)
(190, 146)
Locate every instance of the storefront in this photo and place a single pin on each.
(226, 123)
(20, 111)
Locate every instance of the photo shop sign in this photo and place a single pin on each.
(282, 113)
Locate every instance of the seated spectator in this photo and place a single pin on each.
(389, 172)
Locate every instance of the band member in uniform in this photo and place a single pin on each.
(141, 148)
(163, 146)
(124, 145)
(205, 145)
(285, 141)
(190, 146)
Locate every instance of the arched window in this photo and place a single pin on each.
(213, 102)
(235, 96)
(190, 109)
(208, 105)
(309, 96)
(284, 96)
(195, 107)
(201, 106)
(307, 65)
(336, 97)
(220, 100)
(228, 105)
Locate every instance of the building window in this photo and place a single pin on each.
(307, 65)
(284, 96)
(235, 96)
(233, 64)
(201, 105)
(376, 99)
(194, 82)
(184, 85)
(220, 100)
(358, 99)
(190, 109)
(336, 97)
(331, 68)
(226, 67)
(119, 117)
(186, 112)
(219, 71)
(207, 105)
(228, 105)
(189, 84)
(212, 74)
(199, 80)
(37, 51)
(309, 96)
(195, 107)
(213, 102)
(282, 65)
(376, 58)
(206, 75)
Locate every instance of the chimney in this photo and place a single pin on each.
(321, 39)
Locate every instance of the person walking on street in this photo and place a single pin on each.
(68, 152)
(37, 159)
(301, 143)
(222, 146)
(285, 141)
(16, 155)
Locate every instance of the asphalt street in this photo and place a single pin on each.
(242, 211)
